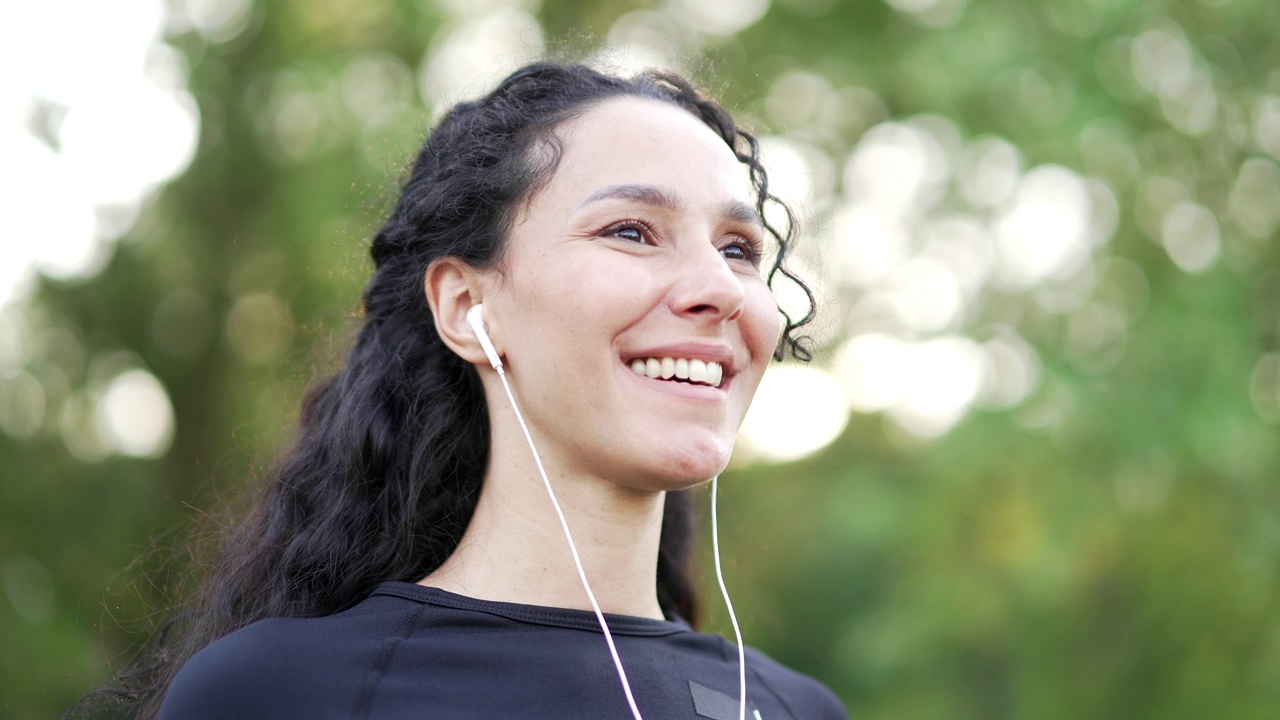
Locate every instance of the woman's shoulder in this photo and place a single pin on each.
(286, 667)
(803, 695)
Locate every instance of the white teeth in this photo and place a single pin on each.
(702, 372)
(697, 371)
(715, 373)
(653, 368)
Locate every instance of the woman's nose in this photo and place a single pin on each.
(705, 286)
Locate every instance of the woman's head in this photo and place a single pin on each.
(490, 161)
(487, 160)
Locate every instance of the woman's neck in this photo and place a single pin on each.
(514, 549)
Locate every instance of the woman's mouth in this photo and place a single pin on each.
(696, 372)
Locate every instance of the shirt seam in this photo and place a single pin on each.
(373, 679)
(619, 625)
(768, 686)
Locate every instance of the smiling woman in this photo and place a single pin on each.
(409, 556)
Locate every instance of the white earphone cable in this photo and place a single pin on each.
(473, 317)
(733, 618)
(573, 549)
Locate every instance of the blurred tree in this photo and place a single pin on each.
(1059, 218)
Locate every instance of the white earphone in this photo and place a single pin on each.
(476, 321)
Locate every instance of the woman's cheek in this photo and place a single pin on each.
(767, 320)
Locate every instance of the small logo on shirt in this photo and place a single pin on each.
(716, 705)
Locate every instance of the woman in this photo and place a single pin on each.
(406, 558)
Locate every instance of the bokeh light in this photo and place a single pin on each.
(29, 588)
(643, 39)
(98, 120)
(469, 55)
(930, 228)
(135, 415)
(1190, 234)
(259, 327)
(797, 411)
(718, 17)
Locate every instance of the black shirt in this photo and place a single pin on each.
(415, 652)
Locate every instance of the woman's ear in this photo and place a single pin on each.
(453, 288)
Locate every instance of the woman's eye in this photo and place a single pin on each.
(631, 232)
(740, 251)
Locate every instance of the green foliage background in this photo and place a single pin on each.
(1107, 549)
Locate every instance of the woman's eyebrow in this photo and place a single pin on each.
(741, 212)
(663, 198)
(646, 194)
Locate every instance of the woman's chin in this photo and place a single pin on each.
(688, 469)
(673, 462)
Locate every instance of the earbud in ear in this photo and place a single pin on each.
(476, 321)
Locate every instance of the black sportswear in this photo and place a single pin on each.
(415, 652)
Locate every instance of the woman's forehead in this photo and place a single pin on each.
(631, 141)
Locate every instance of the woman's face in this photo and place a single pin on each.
(640, 257)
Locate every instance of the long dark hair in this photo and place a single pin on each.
(384, 472)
